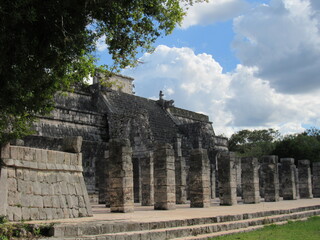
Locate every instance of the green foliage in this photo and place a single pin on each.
(24, 230)
(45, 47)
(297, 230)
(254, 143)
(305, 145)
(3, 219)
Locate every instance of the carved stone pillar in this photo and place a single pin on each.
(305, 184)
(288, 183)
(271, 178)
(199, 183)
(227, 178)
(164, 178)
(250, 180)
(120, 176)
(147, 179)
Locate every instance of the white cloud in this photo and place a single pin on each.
(101, 44)
(205, 13)
(233, 101)
(282, 40)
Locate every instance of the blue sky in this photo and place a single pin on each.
(245, 63)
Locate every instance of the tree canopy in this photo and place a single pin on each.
(255, 143)
(45, 46)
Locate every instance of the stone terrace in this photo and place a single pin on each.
(182, 223)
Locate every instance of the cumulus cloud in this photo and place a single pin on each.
(205, 13)
(101, 44)
(282, 40)
(233, 101)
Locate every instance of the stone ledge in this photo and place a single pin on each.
(41, 166)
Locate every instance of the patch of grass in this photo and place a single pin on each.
(298, 230)
(22, 230)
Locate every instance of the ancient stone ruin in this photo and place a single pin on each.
(106, 146)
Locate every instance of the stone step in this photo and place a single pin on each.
(171, 230)
(233, 231)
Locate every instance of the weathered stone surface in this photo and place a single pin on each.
(181, 175)
(147, 180)
(120, 176)
(199, 179)
(270, 174)
(305, 184)
(164, 178)
(288, 179)
(227, 178)
(250, 180)
(31, 191)
(316, 179)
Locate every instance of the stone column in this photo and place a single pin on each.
(136, 180)
(147, 179)
(271, 178)
(180, 173)
(250, 180)
(104, 179)
(199, 182)
(212, 154)
(296, 178)
(238, 176)
(288, 183)
(164, 178)
(305, 185)
(120, 176)
(316, 179)
(227, 178)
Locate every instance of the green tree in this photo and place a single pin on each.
(305, 145)
(45, 47)
(253, 143)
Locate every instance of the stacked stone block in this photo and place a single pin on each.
(227, 178)
(288, 179)
(316, 179)
(38, 184)
(250, 180)
(199, 179)
(164, 178)
(120, 176)
(147, 179)
(305, 184)
(270, 179)
(296, 177)
(180, 173)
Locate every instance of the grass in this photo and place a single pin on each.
(22, 230)
(298, 230)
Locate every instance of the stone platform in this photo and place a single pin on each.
(182, 223)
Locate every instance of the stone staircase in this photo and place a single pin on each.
(190, 228)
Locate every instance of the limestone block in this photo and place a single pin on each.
(227, 178)
(72, 144)
(199, 184)
(250, 180)
(270, 178)
(165, 194)
(5, 151)
(44, 155)
(316, 179)
(3, 191)
(305, 181)
(288, 183)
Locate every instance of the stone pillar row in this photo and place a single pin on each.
(163, 178)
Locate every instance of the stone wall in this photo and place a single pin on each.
(42, 184)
